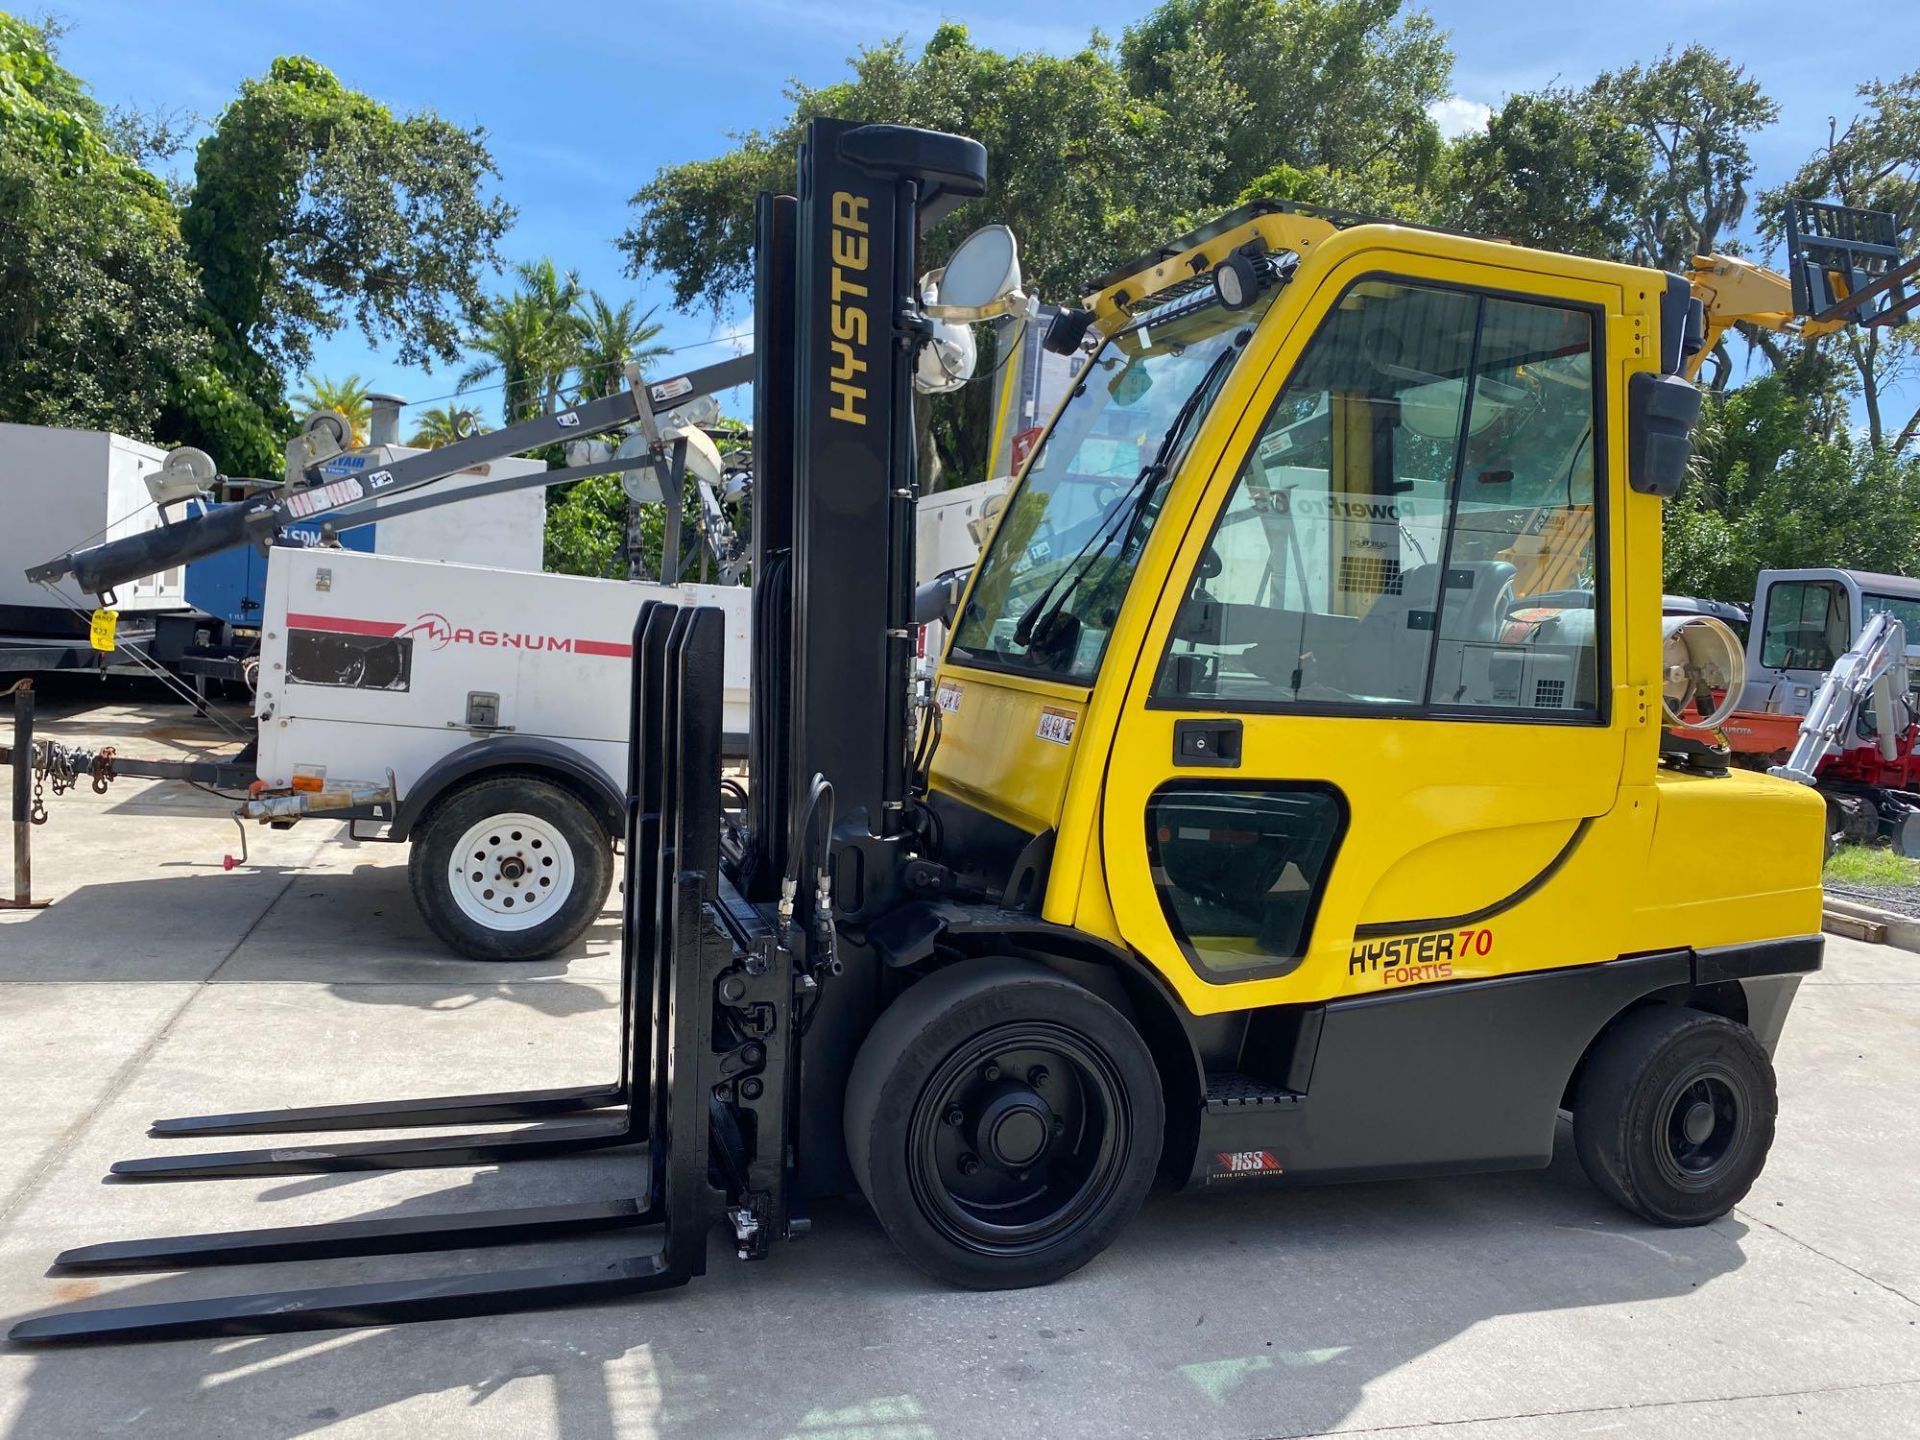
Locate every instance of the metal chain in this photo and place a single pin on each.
(56, 765)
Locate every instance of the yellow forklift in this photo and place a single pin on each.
(1269, 820)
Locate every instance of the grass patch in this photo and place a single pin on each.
(1871, 865)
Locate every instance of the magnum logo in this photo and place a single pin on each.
(851, 331)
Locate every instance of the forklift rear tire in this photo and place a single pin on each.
(509, 867)
(1004, 1123)
(1673, 1115)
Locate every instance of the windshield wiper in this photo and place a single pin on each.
(1038, 617)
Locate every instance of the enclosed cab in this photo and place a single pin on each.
(1805, 620)
(1307, 694)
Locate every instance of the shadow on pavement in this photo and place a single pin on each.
(173, 928)
(1258, 1313)
(357, 932)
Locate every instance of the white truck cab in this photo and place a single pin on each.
(1805, 620)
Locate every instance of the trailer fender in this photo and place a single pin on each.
(528, 754)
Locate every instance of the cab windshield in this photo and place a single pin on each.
(1052, 582)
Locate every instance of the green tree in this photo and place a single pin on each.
(611, 337)
(97, 293)
(1082, 169)
(529, 338)
(1771, 492)
(1550, 172)
(1698, 113)
(1340, 88)
(587, 529)
(348, 396)
(313, 204)
(444, 424)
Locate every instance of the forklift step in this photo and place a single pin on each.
(392, 1302)
(1230, 1090)
(426, 1153)
(388, 1236)
(395, 1114)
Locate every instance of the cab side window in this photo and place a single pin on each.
(1806, 625)
(1414, 528)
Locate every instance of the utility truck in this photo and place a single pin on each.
(1278, 825)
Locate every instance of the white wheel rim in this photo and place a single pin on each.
(511, 872)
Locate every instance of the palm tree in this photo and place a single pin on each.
(444, 424)
(348, 396)
(610, 339)
(530, 339)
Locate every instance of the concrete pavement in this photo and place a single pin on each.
(1496, 1306)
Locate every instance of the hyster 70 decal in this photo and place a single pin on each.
(1419, 959)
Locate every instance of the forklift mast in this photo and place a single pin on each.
(713, 990)
(836, 322)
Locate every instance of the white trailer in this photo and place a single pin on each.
(479, 715)
(56, 484)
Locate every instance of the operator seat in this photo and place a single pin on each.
(1389, 657)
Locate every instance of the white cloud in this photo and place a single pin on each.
(1456, 116)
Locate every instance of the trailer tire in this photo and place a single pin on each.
(1674, 1114)
(975, 1081)
(535, 867)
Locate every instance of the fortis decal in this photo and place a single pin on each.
(1418, 959)
(851, 336)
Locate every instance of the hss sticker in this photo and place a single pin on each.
(1245, 1162)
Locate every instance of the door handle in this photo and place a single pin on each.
(1207, 742)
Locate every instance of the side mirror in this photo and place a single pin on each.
(1661, 410)
(981, 281)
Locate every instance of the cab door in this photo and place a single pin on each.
(1374, 737)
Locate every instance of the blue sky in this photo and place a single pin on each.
(583, 103)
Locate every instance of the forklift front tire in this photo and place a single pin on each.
(509, 867)
(1673, 1115)
(1004, 1123)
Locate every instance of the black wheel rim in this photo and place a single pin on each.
(1019, 1139)
(1703, 1119)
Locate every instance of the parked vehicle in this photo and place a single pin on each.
(486, 712)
